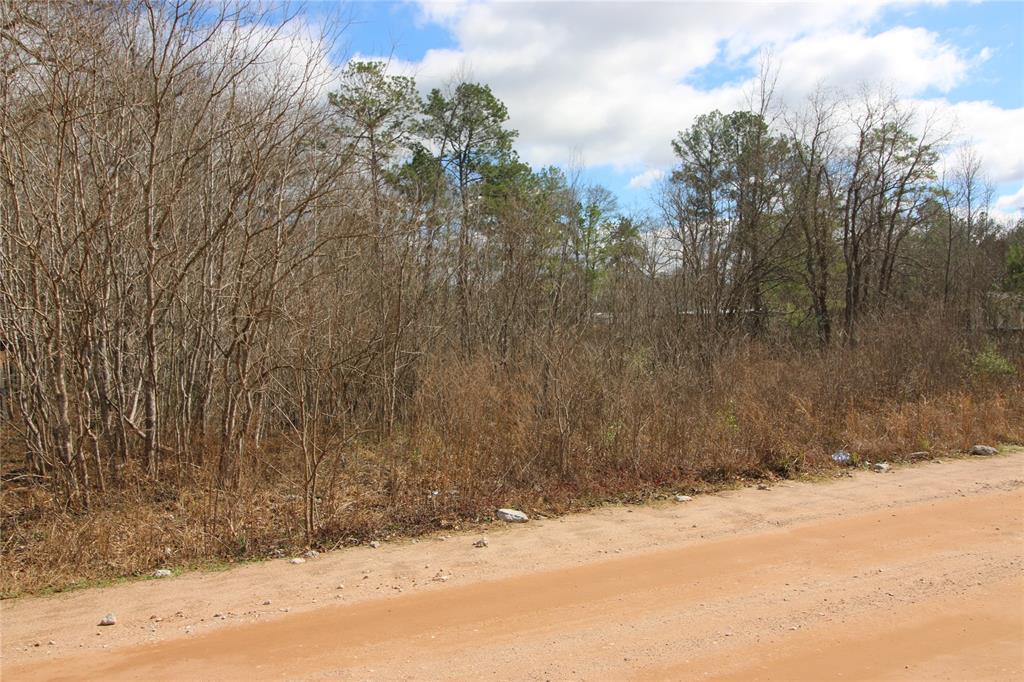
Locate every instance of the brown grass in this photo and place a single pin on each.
(597, 426)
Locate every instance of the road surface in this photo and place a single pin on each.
(913, 574)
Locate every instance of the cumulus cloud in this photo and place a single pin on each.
(983, 126)
(613, 82)
(1009, 207)
(911, 60)
(646, 179)
(291, 59)
(992, 131)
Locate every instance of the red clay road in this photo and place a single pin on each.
(914, 574)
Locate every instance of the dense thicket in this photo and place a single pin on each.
(215, 273)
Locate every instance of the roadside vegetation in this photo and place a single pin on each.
(251, 303)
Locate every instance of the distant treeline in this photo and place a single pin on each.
(211, 267)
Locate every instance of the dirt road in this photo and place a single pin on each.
(913, 574)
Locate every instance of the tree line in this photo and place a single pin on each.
(209, 252)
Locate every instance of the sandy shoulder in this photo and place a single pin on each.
(582, 568)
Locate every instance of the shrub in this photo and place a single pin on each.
(989, 362)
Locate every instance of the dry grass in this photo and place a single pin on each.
(597, 426)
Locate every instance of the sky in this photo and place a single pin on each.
(603, 86)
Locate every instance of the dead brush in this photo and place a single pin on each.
(592, 426)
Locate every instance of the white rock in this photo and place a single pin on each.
(375, 544)
(109, 619)
(683, 498)
(482, 542)
(297, 560)
(161, 573)
(512, 516)
(984, 450)
(881, 467)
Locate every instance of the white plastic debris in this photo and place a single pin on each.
(512, 516)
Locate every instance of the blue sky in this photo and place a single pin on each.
(606, 85)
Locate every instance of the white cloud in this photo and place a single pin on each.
(993, 132)
(1012, 202)
(1009, 207)
(291, 60)
(911, 60)
(646, 179)
(614, 82)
